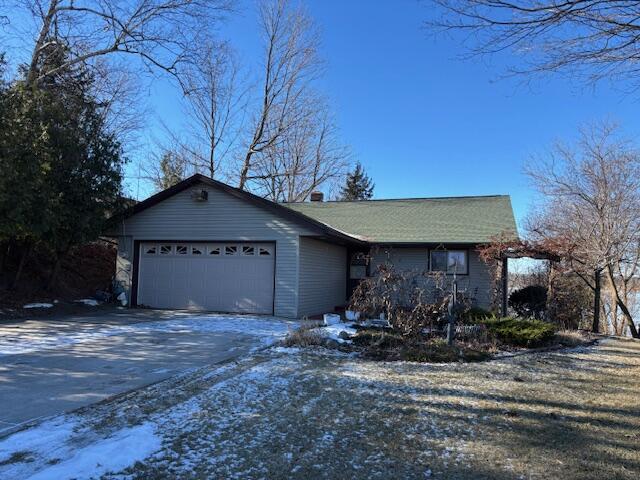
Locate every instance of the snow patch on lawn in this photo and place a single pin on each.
(333, 332)
(113, 454)
(62, 449)
(46, 437)
(90, 302)
(38, 305)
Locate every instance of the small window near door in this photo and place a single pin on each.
(449, 261)
(196, 251)
(165, 249)
(231, 250)
(150, 250)
(264, 252)
(181, 249)
(215, 250)
(248, 250)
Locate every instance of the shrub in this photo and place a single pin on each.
(529, 301)
(304, 336)
(475, 314)
(572, 338)
(378, 338)
(520, 332)
(438, 351)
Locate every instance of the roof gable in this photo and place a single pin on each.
(260, 202)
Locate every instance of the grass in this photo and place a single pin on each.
(17, 457)
(570, 414)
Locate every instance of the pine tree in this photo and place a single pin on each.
(60, 166)
(172, 169)
(358, 185)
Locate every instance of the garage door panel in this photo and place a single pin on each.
(226, 277)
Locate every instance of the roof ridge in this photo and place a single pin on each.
(453, 197)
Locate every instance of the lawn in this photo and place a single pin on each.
(288, 413)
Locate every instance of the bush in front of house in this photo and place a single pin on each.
(520, 332)
(529, 301)
(384, 345)
(474, 315)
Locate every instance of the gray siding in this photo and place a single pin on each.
(477, 282)
(323, 276)
(221, 218)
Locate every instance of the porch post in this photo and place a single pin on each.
(505, 284)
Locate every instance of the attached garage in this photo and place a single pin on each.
(237, 277)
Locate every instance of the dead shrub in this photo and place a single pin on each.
(412, 300)
(305, 335)
(572, 338)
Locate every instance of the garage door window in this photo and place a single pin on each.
(165, 249)
(150, 250)
(264, 252)
(181, 249)
(214, 251)
(248, 250)
(196, 251)
(231, 250)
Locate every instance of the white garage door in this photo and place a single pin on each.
(223, 277)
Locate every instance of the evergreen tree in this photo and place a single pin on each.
(172, 169)
(358, 185)
(60, 167)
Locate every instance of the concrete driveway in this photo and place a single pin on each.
(59, 364)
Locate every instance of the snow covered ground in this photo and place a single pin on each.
(296, 413)
(26, 340)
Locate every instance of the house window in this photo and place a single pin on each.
(215, 251)
(151, 250)
(165, 249)
(181, 249)
(358, 266)
(196, 251)
(248, 250)
(264, 252)
(449, 261)
(230, 250)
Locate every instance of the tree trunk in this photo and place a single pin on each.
(32, 73)
(4, 254)
(23, 259)
(244, 173)
(54, 272)
(596, 302)
(622, 305)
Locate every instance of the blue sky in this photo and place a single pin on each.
(421, 120)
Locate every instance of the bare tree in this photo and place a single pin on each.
(216, 99)
(160, 33)
(591, 209)
(598, 38)
(307, 158)
(290, 63)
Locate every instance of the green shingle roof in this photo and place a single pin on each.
(419, 220)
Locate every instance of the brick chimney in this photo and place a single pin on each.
(317, 196)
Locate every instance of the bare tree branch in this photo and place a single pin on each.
(592, 208)
(291, 62)
(596, 38)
